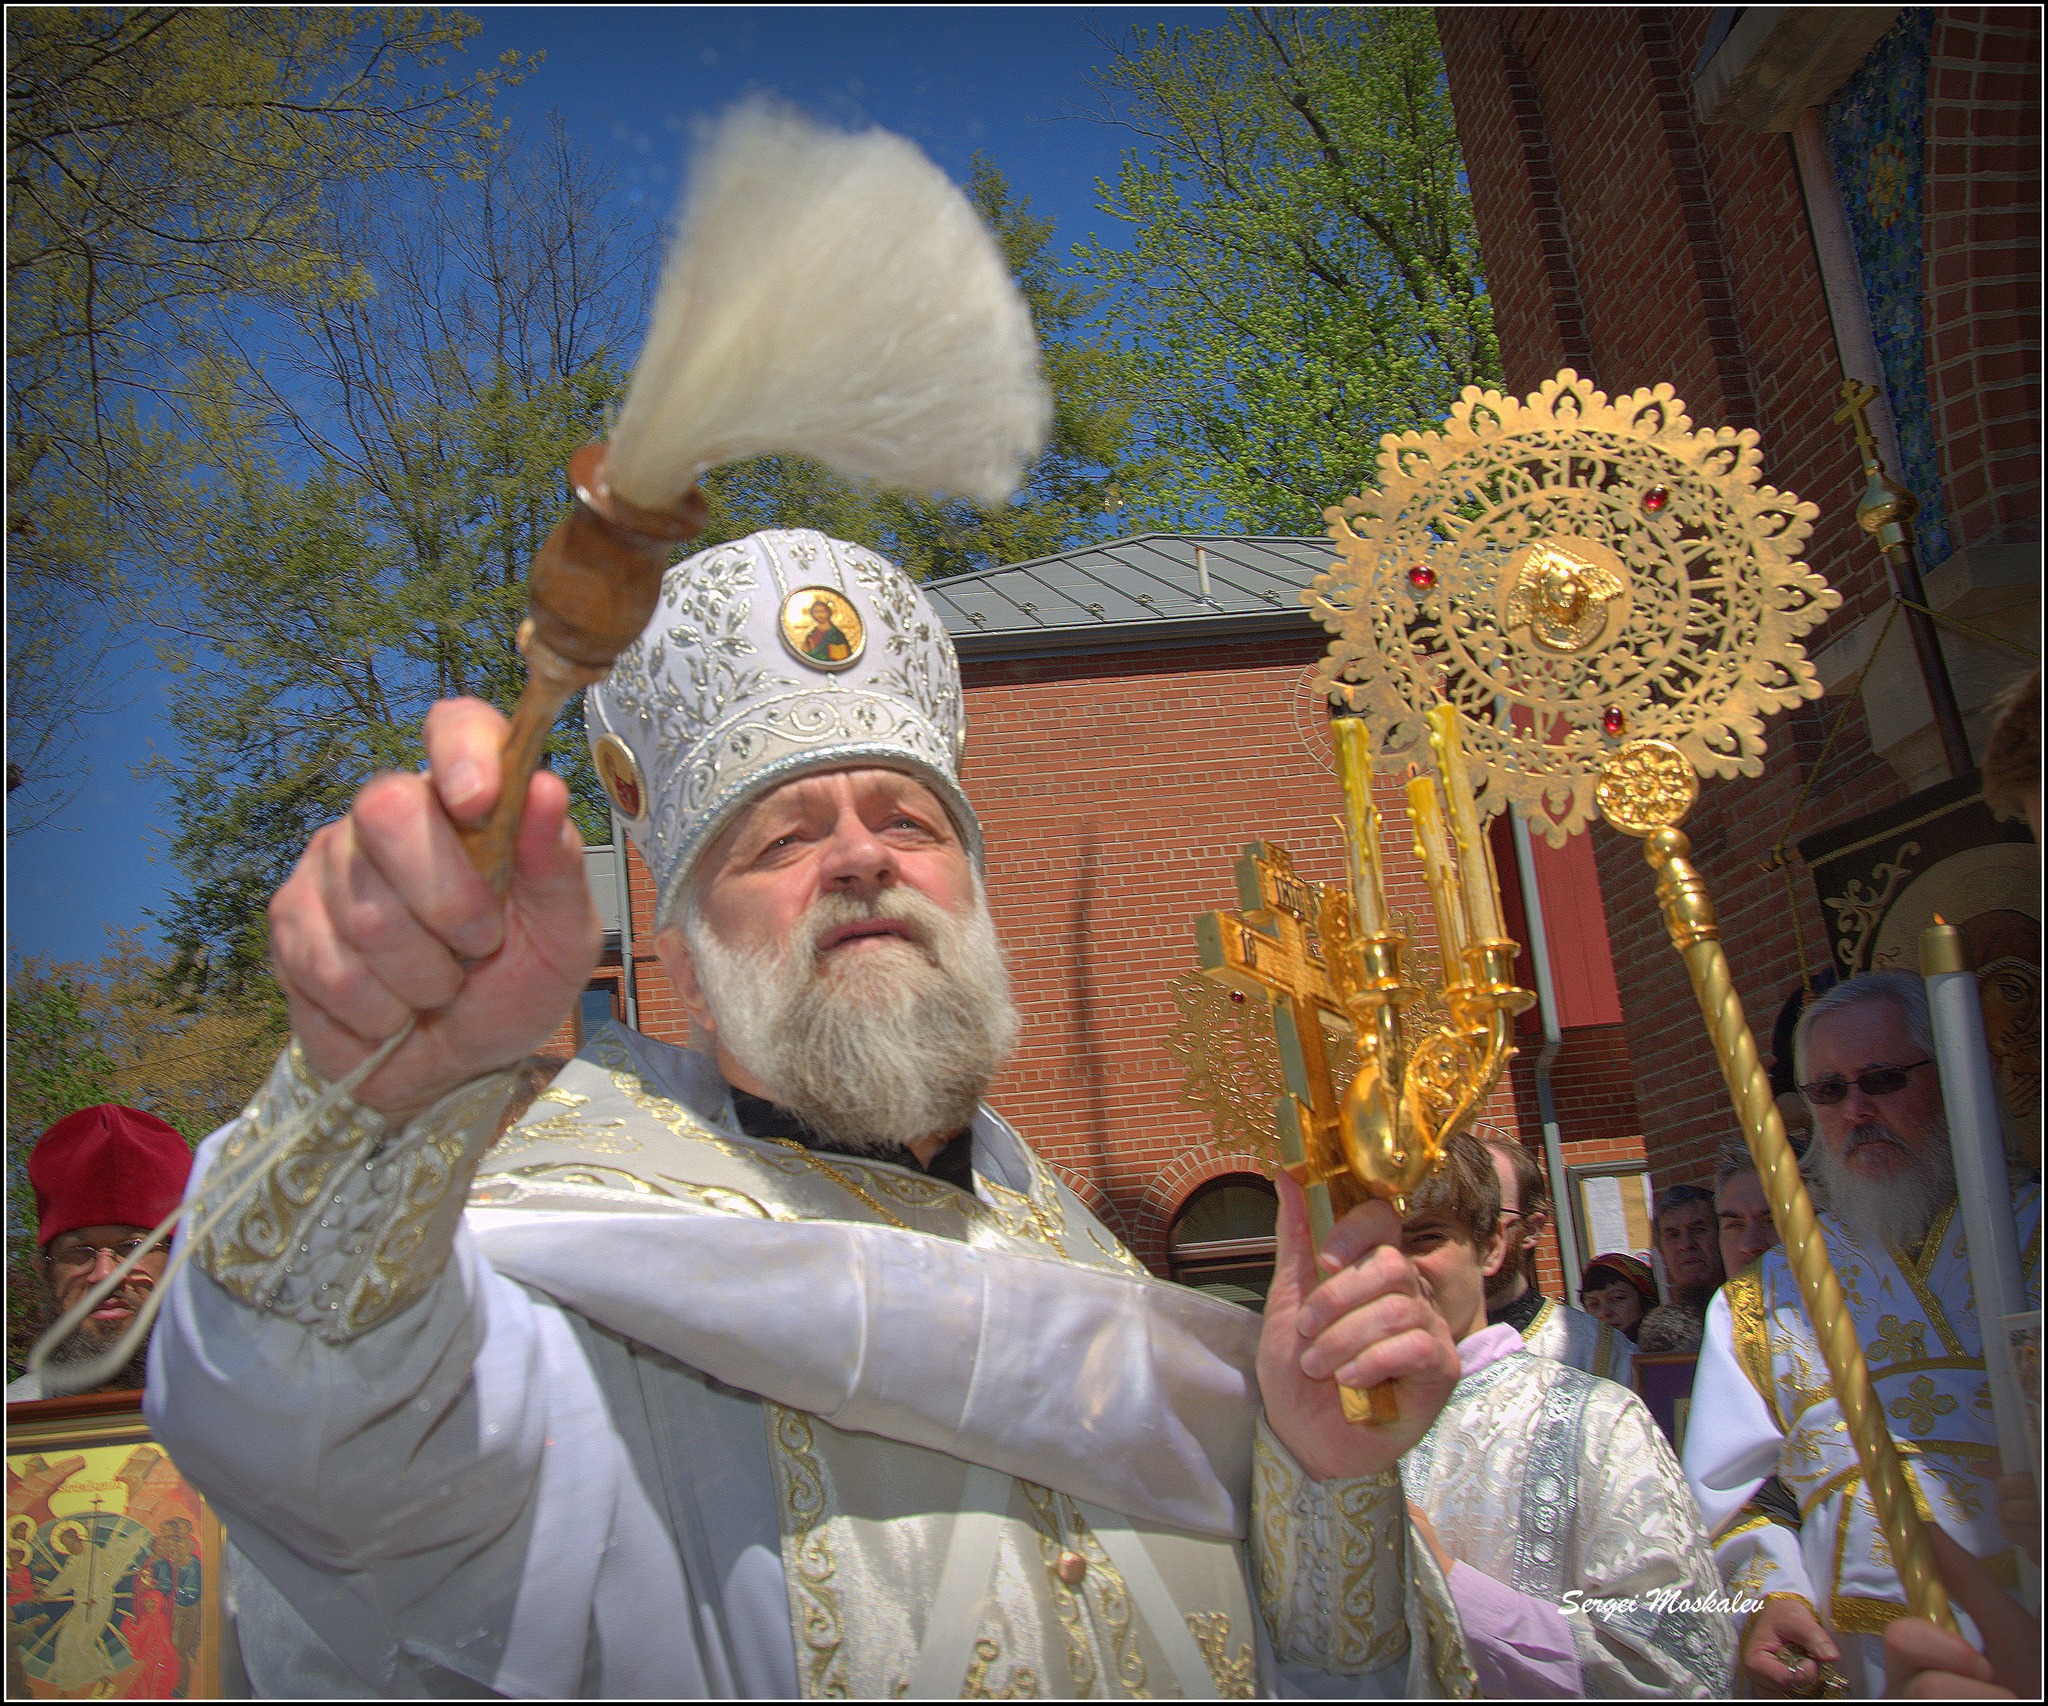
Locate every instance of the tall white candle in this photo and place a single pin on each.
(1983, 1187)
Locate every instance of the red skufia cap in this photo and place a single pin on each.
(106, 1166)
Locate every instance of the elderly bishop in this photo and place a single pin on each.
(779, 1365)
(1762, 1403)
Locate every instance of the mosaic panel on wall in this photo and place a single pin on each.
(1875, 128)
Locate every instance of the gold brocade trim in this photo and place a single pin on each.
(1232, 1676)
(1061, 1527)
(1449, 1668)
(1952, 1448)
(1752, 1343)
(1035, 1216)
(1921, 1263)
(1880, 1550)
(1811, 1501)
(1745, 1521)
(349, 1221)
(1372, 1528)
(1023, 1683)
(1917, 1267)
(840, 1179)
(1275, 1511)
(1603, 1351)
(1542, 1315)
(1921, 1364)
(807, 1554)
(1852, 1614)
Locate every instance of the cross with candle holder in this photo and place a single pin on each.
(1411, 1091)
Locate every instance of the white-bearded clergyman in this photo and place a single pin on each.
(780, 1365)
(1762, 1403)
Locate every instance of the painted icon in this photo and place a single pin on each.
(821, 628)
(621, 776)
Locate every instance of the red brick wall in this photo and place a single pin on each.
(1692, 262)
(1117, 791)
(1983, 268)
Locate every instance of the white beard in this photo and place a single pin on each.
(888, 1045)
(1893, 1212)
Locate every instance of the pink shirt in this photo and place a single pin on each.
(1521, 1645)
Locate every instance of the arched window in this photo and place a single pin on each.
(1221, 1241)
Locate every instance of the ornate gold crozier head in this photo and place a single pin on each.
(1575, 575)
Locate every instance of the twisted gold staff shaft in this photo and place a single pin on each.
(1695, 933)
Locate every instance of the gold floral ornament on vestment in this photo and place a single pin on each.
(1608, 572)
(1600, 606)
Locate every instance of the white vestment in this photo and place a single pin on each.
(675, 1411)
(1762, 1404)
(1571, 1336)
(1560, 1486)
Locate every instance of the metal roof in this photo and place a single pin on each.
(1142, 591)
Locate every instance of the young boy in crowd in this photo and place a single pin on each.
(1556, 1509)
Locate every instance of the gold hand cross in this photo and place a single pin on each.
(1264, 950)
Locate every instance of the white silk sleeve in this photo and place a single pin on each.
(1732, 1444)
(1647, 1614)
(367, 1404)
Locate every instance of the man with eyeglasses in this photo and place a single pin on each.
(1864, 1057)
(1549, 1326)
(103, 1178)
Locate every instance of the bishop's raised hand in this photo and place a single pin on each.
(384, 919)
(1355, 1313)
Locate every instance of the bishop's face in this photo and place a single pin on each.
(857, 833)
(841, 959)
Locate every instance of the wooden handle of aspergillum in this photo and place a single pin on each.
(1372, 1406)
(549, 682)
(590, 594)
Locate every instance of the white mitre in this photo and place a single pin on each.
(768, 658)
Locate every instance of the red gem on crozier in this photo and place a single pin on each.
(1656, 498)
(1422, 577)
(1612, 720)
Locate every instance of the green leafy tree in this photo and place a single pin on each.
(1069, 494)
(377, 488)
(1302, 273)
(168, 173)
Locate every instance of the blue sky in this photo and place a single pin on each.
(629, 83)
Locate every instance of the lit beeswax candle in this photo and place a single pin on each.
(1432, 847)
(1475, 863)
(1361, 822)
